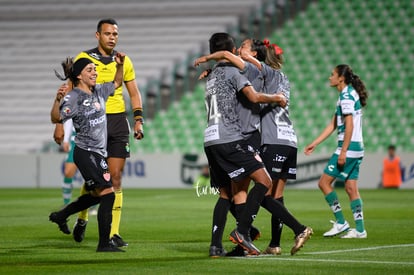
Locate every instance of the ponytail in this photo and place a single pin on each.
(67, 68)
(274, 56)
(355, 81)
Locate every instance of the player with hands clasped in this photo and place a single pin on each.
(85, 105)
(344, 163)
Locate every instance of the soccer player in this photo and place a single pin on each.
(250, 121)
(344, 163)
(118, 127)
(279, 141)
(249, 50)
(85, 105)
(225, 146)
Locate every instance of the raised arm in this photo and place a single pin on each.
(329, 129)
(220, 55)
(251, 59)
(55, 112)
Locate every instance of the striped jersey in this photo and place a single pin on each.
(222, 88)
(349, 104)
(276, 126)
(106, 69)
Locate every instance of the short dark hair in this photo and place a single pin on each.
(221, 41)
(105, 21)
(391, 147)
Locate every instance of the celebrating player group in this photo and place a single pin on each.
(250, 137)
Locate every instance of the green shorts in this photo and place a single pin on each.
(350, 171)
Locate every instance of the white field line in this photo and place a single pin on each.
(360, 249)
(269, 257)
(295, 259)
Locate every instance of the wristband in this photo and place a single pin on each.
(138, 113)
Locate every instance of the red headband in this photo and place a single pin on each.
(278, 50)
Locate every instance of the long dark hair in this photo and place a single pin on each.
(259, 47)
(67, 68)
(353, 79)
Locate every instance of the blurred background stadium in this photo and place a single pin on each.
(375, 37)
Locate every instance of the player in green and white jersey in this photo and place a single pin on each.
(344, 163)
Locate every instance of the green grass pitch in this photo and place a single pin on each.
(168, 231)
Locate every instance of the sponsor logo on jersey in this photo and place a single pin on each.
(96, 121)
(66, 110)
(86, 102)
(95, 55)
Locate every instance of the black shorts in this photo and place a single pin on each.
(93, 168)
(118, 136)
(231, 161)
(280, 160)
(254, 141)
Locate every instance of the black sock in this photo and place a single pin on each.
(239, 209)
(83, 202)
(277, 226)
(105, 218)
(254, 199)
(233, 210)
(276, 208)
(219, 221)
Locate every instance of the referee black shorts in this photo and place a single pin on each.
(93, 168)
(231, 161)
(118, 136)
(280, 160)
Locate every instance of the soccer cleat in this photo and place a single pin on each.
(216, 252)
(354, 234)
(62, 223)
(237, 251)
(237, 238)
(118, 241)
(111, 247)
(336, 229)
(79, 230)
(301, 239)
(273, 251)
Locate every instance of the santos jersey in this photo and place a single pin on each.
(223, 85)
(87, 112)
(276, 125)
(349, 104)
(106, 68)
(249, 112)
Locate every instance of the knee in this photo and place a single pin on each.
(116, 179)
(351, 190)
